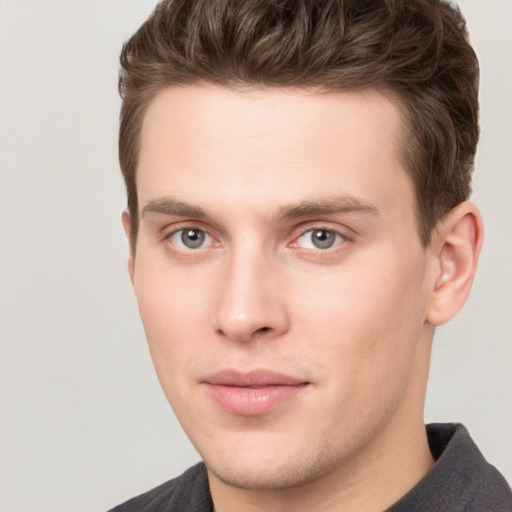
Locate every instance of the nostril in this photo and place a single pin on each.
(263, 329)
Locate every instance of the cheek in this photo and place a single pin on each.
(366, 343)
(173, 313)
(367, 316)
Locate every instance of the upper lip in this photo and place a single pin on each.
(259, 378)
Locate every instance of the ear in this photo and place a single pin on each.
(456, 244)
(127, 226)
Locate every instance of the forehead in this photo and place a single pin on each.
(205, 142)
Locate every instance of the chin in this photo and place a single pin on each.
(268, 479)
(269, 473)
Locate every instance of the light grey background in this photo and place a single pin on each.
(83, 423)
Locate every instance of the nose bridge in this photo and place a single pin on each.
(250, 303)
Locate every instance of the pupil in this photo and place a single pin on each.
(323, 239)
(192, 238)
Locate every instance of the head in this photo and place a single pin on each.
(297, 175)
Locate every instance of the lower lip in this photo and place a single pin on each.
(248, 401)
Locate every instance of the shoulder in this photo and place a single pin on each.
(478, 483)
(461, 479)
(189, 491)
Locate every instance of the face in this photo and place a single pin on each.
(280, 278)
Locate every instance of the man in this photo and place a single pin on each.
(298, 176)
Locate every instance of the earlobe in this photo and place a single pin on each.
(127, 230)
(456, 244)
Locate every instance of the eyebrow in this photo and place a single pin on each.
(169, 206)
(326, 206)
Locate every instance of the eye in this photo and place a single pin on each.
(319, 239)
(190, 238)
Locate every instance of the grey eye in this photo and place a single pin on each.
(320, 239)
(190, 238)
(323, 239)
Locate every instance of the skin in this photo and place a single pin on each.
(256, 171)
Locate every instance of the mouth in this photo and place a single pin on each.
(253, 393)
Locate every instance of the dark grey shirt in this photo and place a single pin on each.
(460, 481)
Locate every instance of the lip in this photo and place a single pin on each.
(253, 393)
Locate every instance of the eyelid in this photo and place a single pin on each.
(344, 233)
(207, 241)
(170, 231)
(308, 244)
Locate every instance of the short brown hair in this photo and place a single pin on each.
(417, 51)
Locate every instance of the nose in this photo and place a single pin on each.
(252, 303)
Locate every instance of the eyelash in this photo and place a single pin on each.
(340, 238)
(168, 237)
